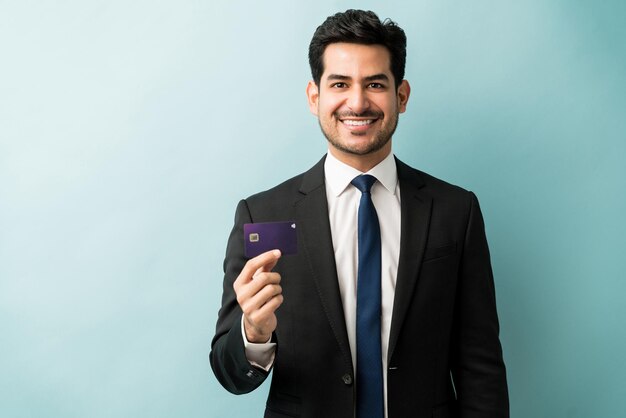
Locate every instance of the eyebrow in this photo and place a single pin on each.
(374, 77)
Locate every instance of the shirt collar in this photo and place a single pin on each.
(338, 175)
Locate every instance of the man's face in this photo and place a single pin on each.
(357, 103)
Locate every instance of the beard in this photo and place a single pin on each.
(381, 138)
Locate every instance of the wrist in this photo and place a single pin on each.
(254, 335)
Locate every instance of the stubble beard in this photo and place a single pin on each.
(380, 140)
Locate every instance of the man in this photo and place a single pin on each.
(388, 308)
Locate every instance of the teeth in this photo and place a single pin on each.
(351, 122)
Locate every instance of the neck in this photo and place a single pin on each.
(363, 163)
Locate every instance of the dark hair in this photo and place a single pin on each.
(358, 27)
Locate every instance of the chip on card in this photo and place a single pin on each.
(265, 236)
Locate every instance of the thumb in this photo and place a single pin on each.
(271, 263)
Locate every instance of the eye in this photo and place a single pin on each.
(376, 86)
(339, 85)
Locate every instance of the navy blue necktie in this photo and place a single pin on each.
(369, 377)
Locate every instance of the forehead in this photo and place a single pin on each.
(356, 60)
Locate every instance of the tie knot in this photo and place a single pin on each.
(364, 182)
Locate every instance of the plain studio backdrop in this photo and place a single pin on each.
(129, 131)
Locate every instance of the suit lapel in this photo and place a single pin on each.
(415, 221)
(312, 215)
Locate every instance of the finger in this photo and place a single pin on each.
(251, 288)
(269, 266)
(260, 298)
(262, 278)
(267, 293)
(267, 311)
(254, 264)
(266, 314)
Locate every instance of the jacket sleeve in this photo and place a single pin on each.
(227, 356)
(478, 369)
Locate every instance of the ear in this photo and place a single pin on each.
(313, 95)
(404, 91)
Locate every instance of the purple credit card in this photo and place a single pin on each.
(265, 236)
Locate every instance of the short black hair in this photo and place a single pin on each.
(358, 27)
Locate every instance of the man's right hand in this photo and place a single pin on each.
(259, 294)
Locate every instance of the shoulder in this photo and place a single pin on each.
(429, 184)
(287, 188)
(450, 204)
(289, 191)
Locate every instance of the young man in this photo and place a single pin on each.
(388, 309)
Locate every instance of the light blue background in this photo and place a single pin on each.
(129, 130)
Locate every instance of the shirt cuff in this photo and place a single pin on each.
(259, 355)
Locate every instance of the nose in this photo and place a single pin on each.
(357, 100)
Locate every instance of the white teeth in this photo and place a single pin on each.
(351, 122)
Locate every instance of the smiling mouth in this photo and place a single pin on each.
(358, 122)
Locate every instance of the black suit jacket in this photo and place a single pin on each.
(444, 358)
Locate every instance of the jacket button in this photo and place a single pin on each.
(347, 379)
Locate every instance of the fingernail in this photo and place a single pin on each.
(276, 253)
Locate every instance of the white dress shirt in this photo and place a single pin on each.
(343, 205)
